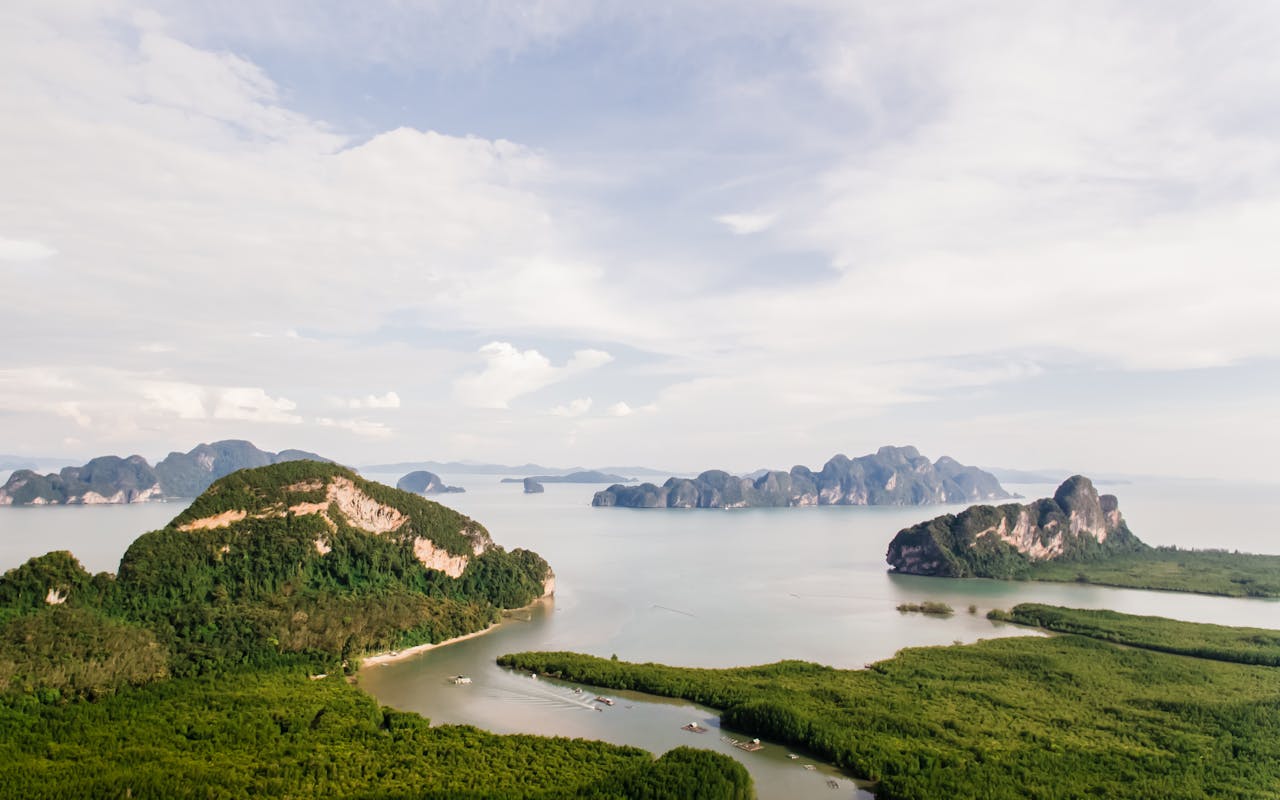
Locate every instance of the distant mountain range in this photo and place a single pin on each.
(112, 479)
(891, 476)
(472, 468)
(588, 476)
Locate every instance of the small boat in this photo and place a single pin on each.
(792, 756)
(604, 700)
(693, 727)
(460, 680)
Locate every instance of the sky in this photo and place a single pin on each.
(683, 235)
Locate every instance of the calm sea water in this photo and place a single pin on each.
(713, 588)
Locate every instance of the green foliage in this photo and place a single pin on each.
(277, 734)
(1061, 717)
(932, 607)
(1218, 572)
(1219, 642)
(27, 587)
(71, 652)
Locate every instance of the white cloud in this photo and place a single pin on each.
(24, 250)
(360, 427)
(71, 410)
(191, 401)
(510, 373)
(620, 409)
(388, 400)
(574, 408)
(743, 224)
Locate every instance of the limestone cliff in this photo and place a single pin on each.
(987, 541)
(891, 476)
(111, 479)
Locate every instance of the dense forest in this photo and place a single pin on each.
(1060, 717)
(186, 675)
(274, 733)
(1231, 574)
(1219, 642)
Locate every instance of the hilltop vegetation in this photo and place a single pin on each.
(185, 675)
(270, 566)
(1059, 717)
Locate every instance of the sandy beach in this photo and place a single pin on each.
(409, 652)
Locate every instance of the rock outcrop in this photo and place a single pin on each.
(892, 476)
(111, 479)
(423, 482)
(987, 541)
(531, 486)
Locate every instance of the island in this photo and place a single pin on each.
(1120, 706)
(1076, 536)
(215, 663)
(424, 482)
(114, 480)
(532, 486)
(585, 476)
(891, 476)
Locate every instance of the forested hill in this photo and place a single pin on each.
(892, 476)
(200, 670)
(300, 560)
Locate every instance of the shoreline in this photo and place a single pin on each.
(379, 659)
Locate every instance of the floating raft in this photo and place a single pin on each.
(751, 746)
(693, 727)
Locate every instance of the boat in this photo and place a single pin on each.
(604, 700)
(460, 680)
(751, 746)
(693, 727)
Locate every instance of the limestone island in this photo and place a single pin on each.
(115, 480)
(532, 486)
(423, 482)
(893, 476)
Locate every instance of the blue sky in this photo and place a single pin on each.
(687, 235)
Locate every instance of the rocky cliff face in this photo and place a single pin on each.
(110, 479)
(1002, 541)
(892, 476)
(423, 482)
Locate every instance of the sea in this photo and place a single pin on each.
(714, 588)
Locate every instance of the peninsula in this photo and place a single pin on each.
(892, 476)
(585, 476)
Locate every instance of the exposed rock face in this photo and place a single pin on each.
(892, 476)
(423, 482)
(531, 486)
(189, 474)
(110, 479)
(343, 500)
(1002, 541)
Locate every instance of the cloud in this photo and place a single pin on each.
(574, 408)
(191, 401)
(743, 224)
(360, 427)
(388, 400)
(24, 250)
(72, 411)
(620, 409)
(510, 373)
